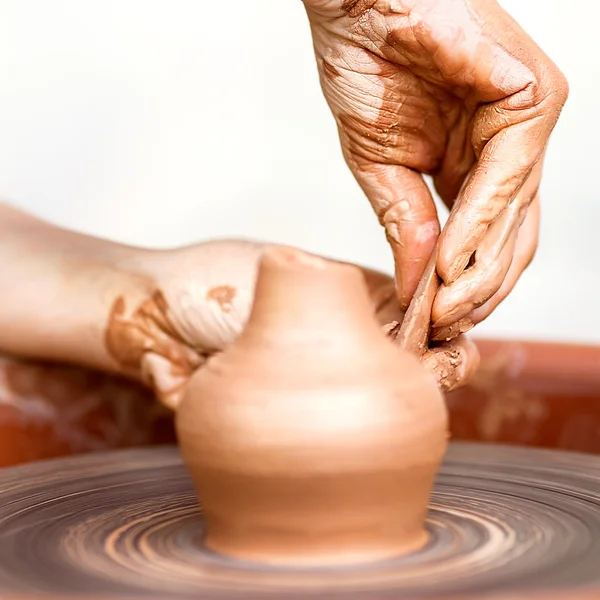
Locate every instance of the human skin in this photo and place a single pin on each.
(153, 316)
(457, 90)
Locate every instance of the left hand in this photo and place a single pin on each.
(154, 316)
(199, 303)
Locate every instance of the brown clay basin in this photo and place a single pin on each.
(531, 394)
(534, 394)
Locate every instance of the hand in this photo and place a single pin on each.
(199, 303)
(154, 316)
(454, 89)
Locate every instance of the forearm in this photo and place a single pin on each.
(56, 290)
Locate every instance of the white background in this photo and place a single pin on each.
(160, 123)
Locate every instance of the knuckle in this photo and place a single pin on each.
(392, 233)
(530, 251)
(560, 87)
(552, 92)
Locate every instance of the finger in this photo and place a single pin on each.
(487, 275)
(480, 281)
(413, 335)
(210, 288)
(452, 364)
(405, 207)
(525, 248)
(509, 143)
(168, 380)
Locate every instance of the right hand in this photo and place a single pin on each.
(457, 90)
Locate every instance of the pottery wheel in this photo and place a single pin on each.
(127, 523)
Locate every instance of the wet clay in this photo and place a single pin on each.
(129, 336)
(312, 439)
(145, 344)
(356, 8)
(223, 295)
(413, 335)
(453, 364)
(454, 361)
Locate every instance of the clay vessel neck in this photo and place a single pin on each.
(323, 295)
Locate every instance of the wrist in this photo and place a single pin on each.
(93, 294)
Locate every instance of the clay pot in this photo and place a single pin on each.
(312, 439)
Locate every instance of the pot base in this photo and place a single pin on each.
(316, 556)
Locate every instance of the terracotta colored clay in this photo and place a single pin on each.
(531, 393)
(312, 439)
(535, 394)
(49, 410)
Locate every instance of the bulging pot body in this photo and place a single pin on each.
(312, 439)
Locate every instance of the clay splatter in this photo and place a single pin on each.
(223, 295)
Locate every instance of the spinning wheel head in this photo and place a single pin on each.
(505, 521)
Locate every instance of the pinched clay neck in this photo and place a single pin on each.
(324, 293)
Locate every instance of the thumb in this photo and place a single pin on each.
(209, 289)
(453, 364)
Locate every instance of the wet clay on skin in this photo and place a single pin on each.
(223, 295)
(144, 343)
(166, 334)
(421, 87)
(312, 440)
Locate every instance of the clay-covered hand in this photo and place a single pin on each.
(154, 316)
(454, 89)
(199, 303)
